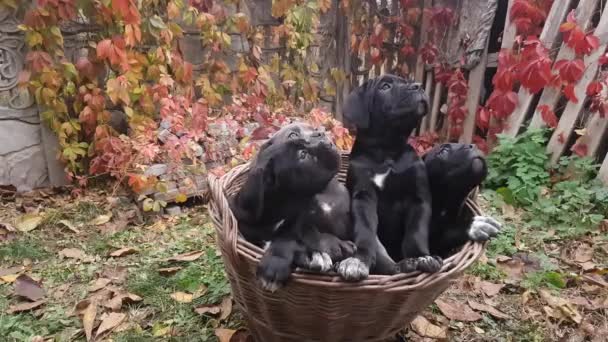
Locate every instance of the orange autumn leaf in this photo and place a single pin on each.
(118, 89)
(113, 50)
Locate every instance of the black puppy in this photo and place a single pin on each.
(290, 202)
(454, 170)
(390, 196)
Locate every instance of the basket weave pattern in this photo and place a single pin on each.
(314, 307)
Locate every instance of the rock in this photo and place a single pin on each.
(164, 135)
(196, 149)
(173, 210)
(165, 124)
(119, 121)
(156, 170)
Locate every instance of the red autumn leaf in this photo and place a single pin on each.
(38, 60)
(114, 51)
(548, 115)
(591, 44)
(248, 75)
(482, 119)
(561, 138)
(127, 10)
(535, 66)
(481, 143)
(569, 25)
(407, 30)
(570, 71)
(502, 103)
(457, 112)
(455, 131)
(594, 88)
(407, 50)
(263, 132)
(569, 92)
(580, 148)
(603, 60)
(429, 53)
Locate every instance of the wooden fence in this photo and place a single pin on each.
(572, 116)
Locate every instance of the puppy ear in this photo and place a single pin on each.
(356, 107)
(248, 204)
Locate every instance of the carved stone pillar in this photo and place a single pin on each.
(22, 157)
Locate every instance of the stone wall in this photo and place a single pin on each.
(23, 157)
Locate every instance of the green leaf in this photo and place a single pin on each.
(157, 22)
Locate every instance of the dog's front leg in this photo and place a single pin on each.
(364, 211)
(415, 243)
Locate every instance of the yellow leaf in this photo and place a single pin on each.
(101, 219)
(224, 335)
(182, 297)
(181, 198)
(28, 222)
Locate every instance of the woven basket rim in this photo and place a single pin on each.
(227, 231)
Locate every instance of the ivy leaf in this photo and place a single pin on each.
(570, 71)
(594, 88)
(548, 116)
(569, 93)
(118, 89)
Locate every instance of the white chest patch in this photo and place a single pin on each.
(380, 178)
(326, 207)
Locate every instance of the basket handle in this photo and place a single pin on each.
(229, 223)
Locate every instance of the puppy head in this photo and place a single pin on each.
(295, 167)
(386, 104)
(456, 167)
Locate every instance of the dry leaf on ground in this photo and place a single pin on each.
(101, 219)
(99, 284)
(561, 304)
(69, 225)
(28, 222)
(9, 275)
(88, 319)
(226, 308)
(207, 309)
(182, 297)
(457, 311)
(489, 309)
(514, 268)
(28, 288)
(424, 328)
(25, 306)
(490, 289)
(75, 253)
(109, 322)
(124, 251)
(229, 335)
(190, 256)
(167, 271)
(121, 298)
(583, 253)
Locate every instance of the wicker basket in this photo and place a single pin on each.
(314, 307)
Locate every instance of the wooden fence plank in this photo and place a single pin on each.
(551, 95)
(428, 86)
(568, 119)
(508, 38)
(603, 174)
(424, 25)
(435, 106)
(595, 132)
(475, 84)
(548, 36)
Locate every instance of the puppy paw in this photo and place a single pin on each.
(407, 265)
(483, 228)
(320, 262)
(353, 269)
(429, 264)
(273, 273)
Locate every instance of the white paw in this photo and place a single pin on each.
(353, 269)
(321, 262)
(269, 286)
(483, 228)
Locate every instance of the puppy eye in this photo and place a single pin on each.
(302, 154)
(293, 135)
(386, 86)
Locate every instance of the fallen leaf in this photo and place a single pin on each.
(490, 289)
(169, 270)
(489, 309)
(190, 256)
(124, 251)
(588, 266)
(75, 253)
(158, 330)
(182, 297)
(9, 275)
(28, 288)
(118, 274)
(99, 284)
(9, 278)
(101, 219)
(478, 330)
(514, 268)
(158, 226)
(583, 253)
(88, 319)
(424, 328)
(226, 308)
(561, 304)
(457, 311)
(109, 322)
(69, 226)
(25, 306)
(121, 298)
(224, 335)
(207, 309)
(28, 222)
